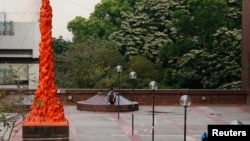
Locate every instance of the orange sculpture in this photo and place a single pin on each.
(46, 106)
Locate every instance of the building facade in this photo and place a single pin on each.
(19, 44)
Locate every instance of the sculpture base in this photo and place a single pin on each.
(99, 103)
(47, 131)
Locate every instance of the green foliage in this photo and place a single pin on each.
(235, 12)
(173, 50)
(145, 69)
(87, 65)
(12, 110)
(169, 80)
(211, 70)
(194, 43)
(197, 20)
(146, 30)
(12, 114)
(102, 22)
(60, 45)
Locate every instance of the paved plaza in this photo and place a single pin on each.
(169, 123)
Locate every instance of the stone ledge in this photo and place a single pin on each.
(56, 131)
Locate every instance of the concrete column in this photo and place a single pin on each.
(245, 58)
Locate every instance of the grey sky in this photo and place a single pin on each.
(66, 10)
(63, 12)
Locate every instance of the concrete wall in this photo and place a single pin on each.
(26, 36)
(162, 97)
(245, 53)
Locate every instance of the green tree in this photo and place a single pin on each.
(201, 19)
(60, 45)
(201, 54)
(107, 60)
(105, 19)
(210, 70)
(146, 30)
(184, 35)
(196, 22)
(89, 64)
(171, 51)
(145, 69)
(235, 12)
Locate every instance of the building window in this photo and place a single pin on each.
(6, 78)
(6, 27)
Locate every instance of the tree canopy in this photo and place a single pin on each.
(184, 43)
(105, 19)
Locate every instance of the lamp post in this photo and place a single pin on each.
(133, 77)
(185, 101)
(119, 70)
(153, 86)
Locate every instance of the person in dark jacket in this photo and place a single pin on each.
(111, 96)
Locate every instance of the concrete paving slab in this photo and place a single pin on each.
(169, 123)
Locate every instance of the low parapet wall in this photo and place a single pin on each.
(162, 97)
